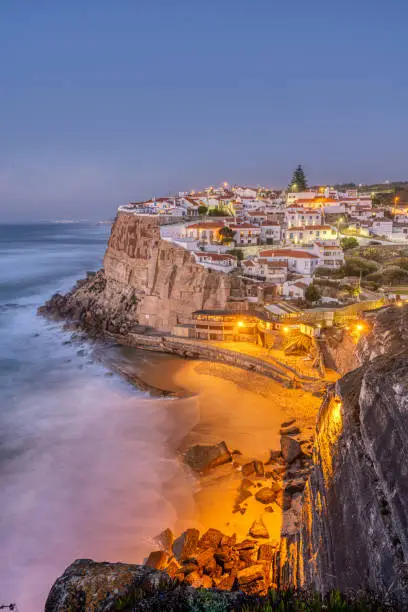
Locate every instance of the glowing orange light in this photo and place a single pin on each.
(225, 184)
(285, 330)
(240, 324)
(359, 327)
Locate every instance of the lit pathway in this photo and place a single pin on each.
(275, 356)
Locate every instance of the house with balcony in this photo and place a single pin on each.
(264, 270)
(299, 261)
(330, 255)
(246, 234)
(271, 232)
(205, 232)
(310, 234)
(300, 217)
(216, 261)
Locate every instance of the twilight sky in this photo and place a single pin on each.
(106, 101)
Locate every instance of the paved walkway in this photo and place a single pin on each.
(301, 365)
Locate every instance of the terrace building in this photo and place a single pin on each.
(308, 235)
(216, 261)
(246, 234)
(301, 262)
(206, 232)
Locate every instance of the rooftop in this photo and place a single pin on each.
(288, 253)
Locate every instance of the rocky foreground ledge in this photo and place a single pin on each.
(87, 586)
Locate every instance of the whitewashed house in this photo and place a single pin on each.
(271, 232)
(262, 269)
(246, 234)
(310, 234)
(205, 232)
(216, 261)
(246, 192)
(330, 255)
(301, 262)
(294, 289)
(381, 227)
(298, 217)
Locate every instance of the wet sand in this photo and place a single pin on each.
(244, 409)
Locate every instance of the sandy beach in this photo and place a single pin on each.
(245, 410)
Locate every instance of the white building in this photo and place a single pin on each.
(216, 261)
(246, 234)
(262, 269)
(271, 232)
(308, 235)
(293, 197)
(382, 227)
(246, 192)
(294, 289)
(298, 217)
(330, 255)
(301, 262)
(205, 232)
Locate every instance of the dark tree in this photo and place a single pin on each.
(227, 234)
(299, 181)
(202, 210)
(312, 294)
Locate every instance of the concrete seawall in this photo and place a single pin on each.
(194, 349)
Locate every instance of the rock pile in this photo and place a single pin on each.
(217, 560)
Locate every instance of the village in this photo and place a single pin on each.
(291, 243)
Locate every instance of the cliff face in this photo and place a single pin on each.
(145, 281)
(355, 512)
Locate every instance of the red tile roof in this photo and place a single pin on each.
(209, 225)
(287, 253)
(215, 256)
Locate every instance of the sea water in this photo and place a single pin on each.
(88, 463)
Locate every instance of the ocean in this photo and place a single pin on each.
(88, 463)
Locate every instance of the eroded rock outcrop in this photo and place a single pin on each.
(355, 516)
(354, 532)
(146, 281)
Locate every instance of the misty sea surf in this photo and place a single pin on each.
(88, 463)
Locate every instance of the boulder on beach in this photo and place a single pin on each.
(290, 431)
(265, 495)
(251, 580)
(157, 559)
(186, 544)
(258, 530)
(204, 457)
(253, 468)
(210, 539)
(290, 448)
(165, 540)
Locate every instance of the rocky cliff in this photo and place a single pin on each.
(146, 281)
(355, 512)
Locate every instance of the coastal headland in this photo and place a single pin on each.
(268, 513)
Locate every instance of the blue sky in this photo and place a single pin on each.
(105, 101)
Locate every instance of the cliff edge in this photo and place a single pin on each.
(146, 281)
(355, 512)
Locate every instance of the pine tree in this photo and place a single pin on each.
(299, 181)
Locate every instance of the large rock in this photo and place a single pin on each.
(203, 457)
(290, 448)
(186, 545)
(251, 580)
(258, 530)
(265, 495)
(165, 540)
(210, 539)
(253, 468)
(157, 559)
